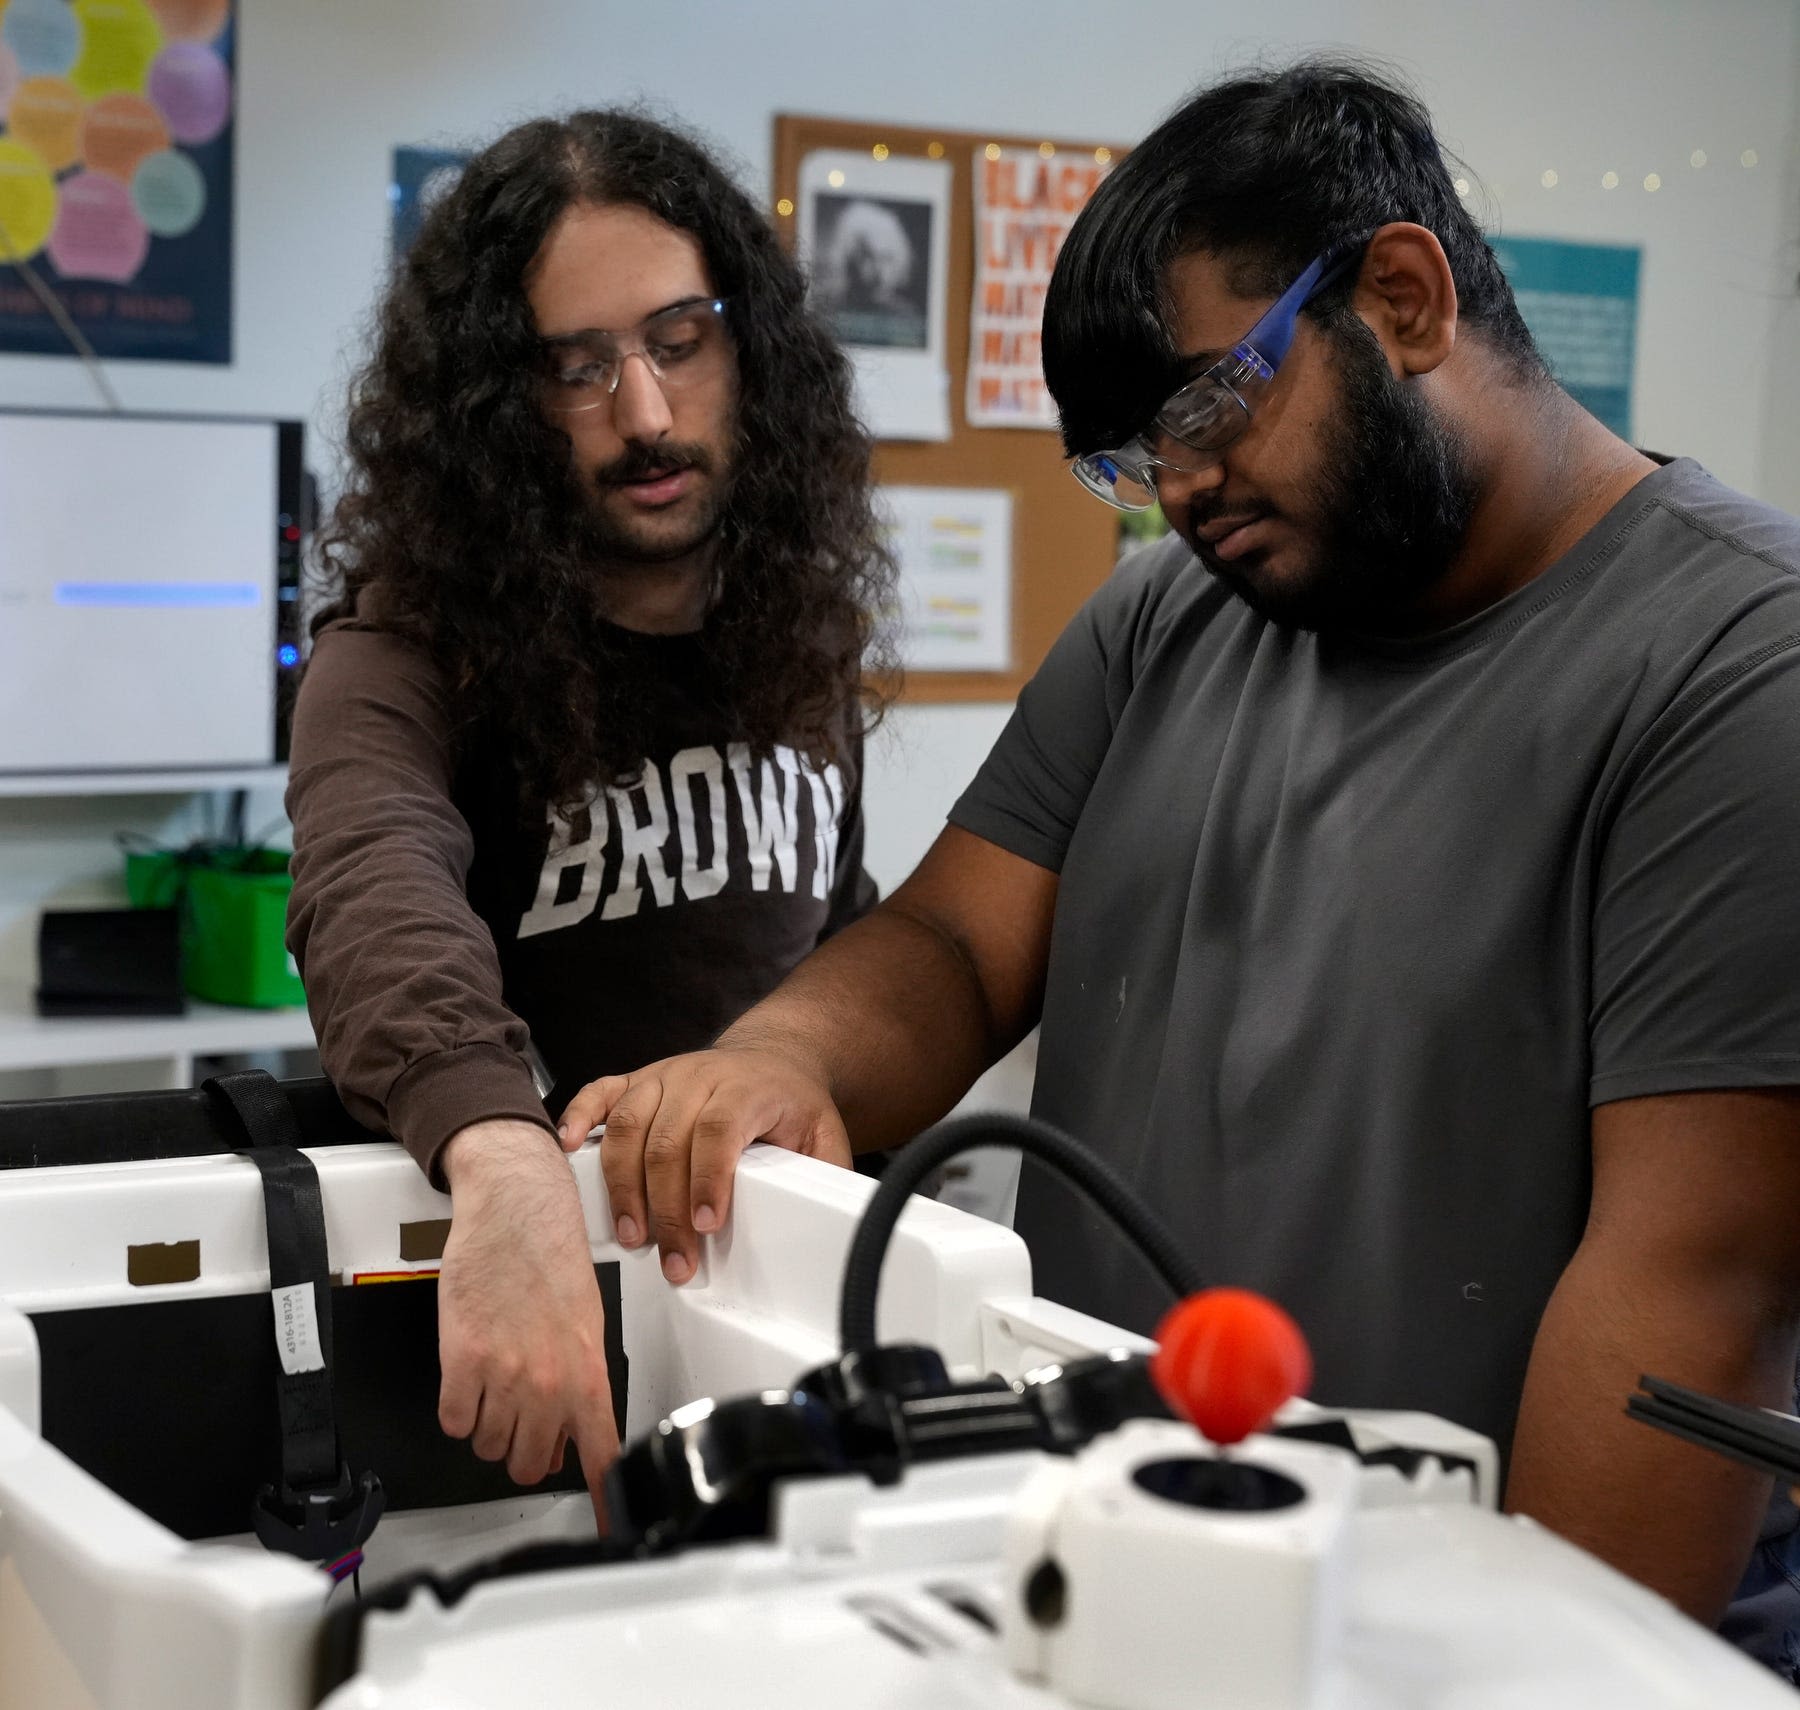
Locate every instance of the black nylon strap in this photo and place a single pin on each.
(295, 1214)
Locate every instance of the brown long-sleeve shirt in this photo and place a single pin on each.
(441, 928)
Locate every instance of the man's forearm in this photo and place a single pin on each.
(890, 1016)
(1676, 1517)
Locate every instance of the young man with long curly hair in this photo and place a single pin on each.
(577, 756)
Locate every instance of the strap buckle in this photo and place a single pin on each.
(321, 1522)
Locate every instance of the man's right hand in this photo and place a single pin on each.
(521, 1331)
(882, 1028)
(675, 1131)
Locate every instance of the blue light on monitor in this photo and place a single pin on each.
(288, 654)
(158, 594)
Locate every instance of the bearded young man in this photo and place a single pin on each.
(577, 758)
(1406, 889)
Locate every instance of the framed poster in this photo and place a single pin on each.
(1580, 301)
(954, 549)
(421, 176)
(1025, 202)
(874, 235)
(116, 175)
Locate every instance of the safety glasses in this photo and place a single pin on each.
(1198, 422)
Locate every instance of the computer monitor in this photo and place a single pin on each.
(149, 587)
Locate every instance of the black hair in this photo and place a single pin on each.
(1266, 169)
(459, 525)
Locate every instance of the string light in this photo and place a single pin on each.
(835, 179)
(880, 151)
(784, 207)
(1550, 178)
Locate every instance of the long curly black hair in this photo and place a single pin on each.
(460, 527)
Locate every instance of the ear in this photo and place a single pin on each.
(1405, 292)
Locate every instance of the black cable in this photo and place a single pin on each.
(1067, 1157)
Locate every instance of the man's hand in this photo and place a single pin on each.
(520, 1324)
(877, 1033)
(675, 1131)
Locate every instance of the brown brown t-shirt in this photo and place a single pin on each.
(442, 928)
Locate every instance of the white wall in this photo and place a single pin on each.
(328, 87)
(1781, 413)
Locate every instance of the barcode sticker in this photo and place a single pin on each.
(297, 1329)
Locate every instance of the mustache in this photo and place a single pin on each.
(641, 461)
(1217, 507)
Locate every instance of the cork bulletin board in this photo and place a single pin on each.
(1064, 541)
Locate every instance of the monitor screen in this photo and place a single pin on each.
(149, 571)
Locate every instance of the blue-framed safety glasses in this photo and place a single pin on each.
(1196, 423)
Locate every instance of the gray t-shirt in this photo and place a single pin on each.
(1352, 932)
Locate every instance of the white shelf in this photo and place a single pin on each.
(31, 1041)
(178, 783)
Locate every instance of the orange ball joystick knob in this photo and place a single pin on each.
(1227, 1359)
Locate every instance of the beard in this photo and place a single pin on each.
(611, 533)
(1392, 504)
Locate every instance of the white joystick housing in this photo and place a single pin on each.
(1127, 1587)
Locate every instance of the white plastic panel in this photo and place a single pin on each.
(103, 1609)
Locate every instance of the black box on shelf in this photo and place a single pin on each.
(110, 961)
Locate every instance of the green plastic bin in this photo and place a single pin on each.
(153, 878)
(234, 921)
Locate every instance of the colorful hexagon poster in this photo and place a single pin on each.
(116, 125)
